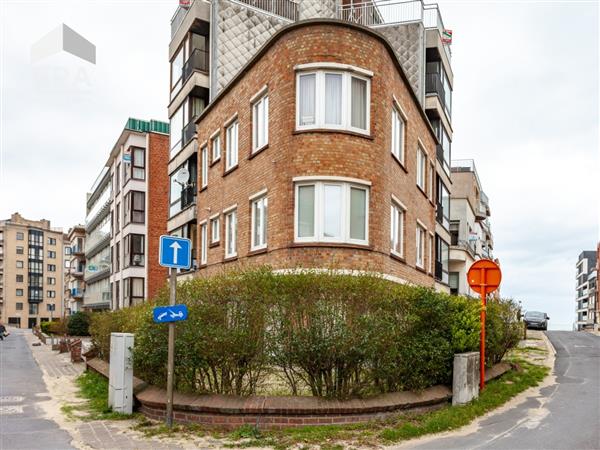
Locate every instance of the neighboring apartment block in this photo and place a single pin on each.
(75, 268)
(126, 214)
(471, 234)
(586, 286)
(312, 121)
(31, 271)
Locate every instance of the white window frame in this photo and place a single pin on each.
(215, 223)
(346, 113)
(397, 224)
(260, 118)
(204, 172)
(230, 216)
(261, 202)
(215, 143)
(232, 145)
(319, 210)
(398, 141)
(421, 167)
(203, 243)
(421, 233)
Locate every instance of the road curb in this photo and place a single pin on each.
(549, 345)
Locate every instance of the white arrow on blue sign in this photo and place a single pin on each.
(174, 313)
(175, 252)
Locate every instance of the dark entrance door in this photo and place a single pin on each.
(32, 322)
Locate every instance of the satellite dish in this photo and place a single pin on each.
(183, 176)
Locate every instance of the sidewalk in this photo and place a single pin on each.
(59, 375)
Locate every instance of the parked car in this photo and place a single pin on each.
(536, 319)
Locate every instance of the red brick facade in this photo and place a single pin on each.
(292, 153)
(158, 208)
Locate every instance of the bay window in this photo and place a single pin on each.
(138, 163)
(331, 211)
(134, 250)
(133, 292)
(260, 123)
(259, 223)
(231, 155)
(135, 207)
(397, 229)
(333, 99)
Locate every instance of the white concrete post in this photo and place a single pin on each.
(465, 378)
(120, 381)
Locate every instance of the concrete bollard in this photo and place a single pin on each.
(465, 378)
(120, 379)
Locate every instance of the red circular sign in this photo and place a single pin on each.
(484, 276)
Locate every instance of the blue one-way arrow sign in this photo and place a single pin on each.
(175, 313)
(175, 252)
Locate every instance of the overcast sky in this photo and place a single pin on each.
(525, 108)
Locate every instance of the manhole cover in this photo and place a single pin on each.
(7, 410)
(11, 399)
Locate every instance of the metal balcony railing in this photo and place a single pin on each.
(287, 9)
(188, 132)
(370, 14)
(76, 293)
(434, 85)
(188, 196)
(198, 60)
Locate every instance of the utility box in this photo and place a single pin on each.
(120, 380)
(465, 378)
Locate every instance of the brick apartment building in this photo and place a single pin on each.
(365, 164)
(31, 271)
(126, 213)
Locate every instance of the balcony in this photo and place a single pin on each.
(441, 274)
(188, 132)
(286, 9)
(198, 60)
(77, 250)
(434, 85)
(77, 293)
(76, 271)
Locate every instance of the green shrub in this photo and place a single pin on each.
(502, 329)
(78, 324)
(323, 333)
(57, 327)
(45, 327)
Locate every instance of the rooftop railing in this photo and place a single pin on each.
(288, 9)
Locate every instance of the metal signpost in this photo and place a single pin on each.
(175, 253)
(484, 277)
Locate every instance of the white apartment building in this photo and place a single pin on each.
(586, 276)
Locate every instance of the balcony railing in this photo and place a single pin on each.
(188, 196)
(188, 132)
(198, 60)
(177, 18)
(434, 85)
(77, 293)
(370, 14)
(77, 250)
(287, 9)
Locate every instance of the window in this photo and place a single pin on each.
(231, 156)
(214, 230)
(442, 257)
(135, 207)
(50, 280)
(138, 163)
(19, 306)
(431, 252)
(177, 70)
(19, 278)
(20, 236)
(176, 130)
(134, 250)
(117, 257)
(33, 308)
(51, 294)
(260, 123)
(20, 250)
(51, 267)
(19, 292)
(50, 307)
(397, 229)
(51, 254)
(420, 260)
(133, 291)
(331, 212)
(333, 99)
(204, 172)
(398, 131)
(203, 243)
(259, 223)
(231, 234)
(51, 241)
(443, 204)
(118, 178)
(117, 217)
(215, 145)
(67, 251)
(183, 195)
(421, 168)
(430, 182)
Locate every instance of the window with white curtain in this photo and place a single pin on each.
(216, 147)
(259, 223)
(421, 235)
(231, 156)
(397, 229)
(204, 173)
(333, 99)
(203, 243)
(231, 234)
(260, 123)
(331, 211)
(398, 130)
(421, 168)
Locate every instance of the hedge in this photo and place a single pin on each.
(319, 333)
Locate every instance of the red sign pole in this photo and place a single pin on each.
(482, 339)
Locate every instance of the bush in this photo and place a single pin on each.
(324, 334)
(44, 327)
(57, 327)
(78, 324)
(503, 330)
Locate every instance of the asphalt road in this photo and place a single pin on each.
(565, 416)
(22, 425)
